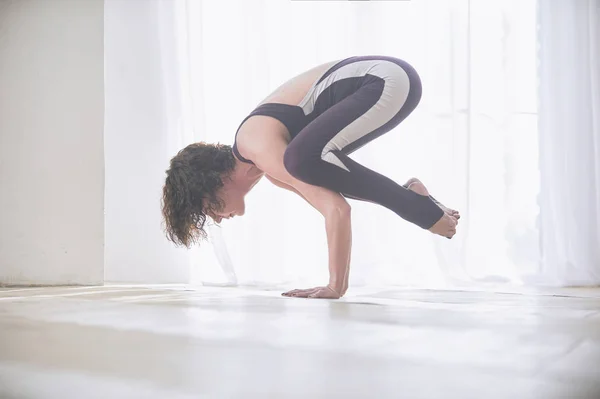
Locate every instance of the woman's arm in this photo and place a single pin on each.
(267, 151)
(292, 189)
(283, 185)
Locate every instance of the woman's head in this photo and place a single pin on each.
(198, 185)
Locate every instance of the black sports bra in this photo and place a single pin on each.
(292, 116)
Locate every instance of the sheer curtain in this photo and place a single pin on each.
(473, 140)
(570, 142)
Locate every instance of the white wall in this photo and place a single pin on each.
(139, 142)
(51, 145)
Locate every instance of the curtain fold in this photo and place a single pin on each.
(569, 89)
(142, 129)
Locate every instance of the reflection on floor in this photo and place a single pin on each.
(175, 342)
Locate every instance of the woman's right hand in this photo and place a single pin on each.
(318, 292)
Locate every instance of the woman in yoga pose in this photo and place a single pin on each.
(300, 138)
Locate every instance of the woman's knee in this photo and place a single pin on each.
(298, 164)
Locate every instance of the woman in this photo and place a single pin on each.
(300, 138)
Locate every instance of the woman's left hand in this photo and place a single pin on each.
(317, 292)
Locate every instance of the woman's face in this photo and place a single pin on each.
(233, 203)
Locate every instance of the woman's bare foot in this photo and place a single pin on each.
(417, 186)
(450, 212)
(446, 226)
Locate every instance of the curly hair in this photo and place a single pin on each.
(193, 178)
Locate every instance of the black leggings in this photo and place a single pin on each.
(318, 154)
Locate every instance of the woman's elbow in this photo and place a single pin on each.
(339, 210)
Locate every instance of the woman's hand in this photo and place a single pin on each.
(319, 292)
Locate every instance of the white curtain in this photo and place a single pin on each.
(570, 142)
(473, 140)
(143, 104)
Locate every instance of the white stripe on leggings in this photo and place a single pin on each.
(393, 97)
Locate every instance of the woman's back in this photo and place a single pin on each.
(295, 89)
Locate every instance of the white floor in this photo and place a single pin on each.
(173, 342)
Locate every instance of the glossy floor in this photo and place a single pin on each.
(173, 342)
